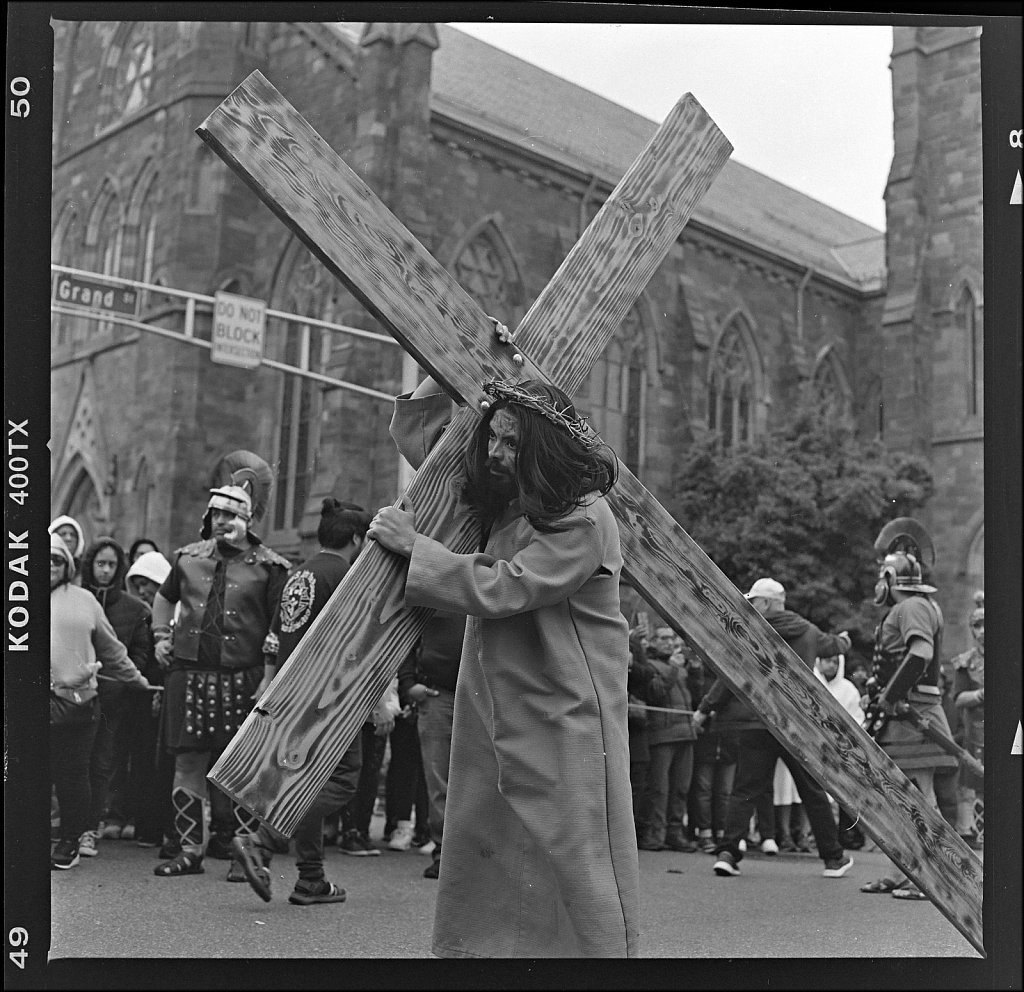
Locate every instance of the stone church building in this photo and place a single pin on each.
(497, 167)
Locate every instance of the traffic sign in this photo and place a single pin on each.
(88, 294)
(239, 324)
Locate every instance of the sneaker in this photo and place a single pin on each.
(726, 865)
(352, 844)
(768, 846)
(368, 847)
(743, 846)
(87, 844)
(401, 839)
(128, 832)
(64, 855)
(420, 840)
(837, 867)
(427, 847)
(312, 893)
(433, 869)
(708, 845)
(110, 831)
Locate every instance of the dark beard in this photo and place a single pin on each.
(501, 488)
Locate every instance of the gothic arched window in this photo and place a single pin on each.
(612, 394)
(966, 316)
(133, 76)
(105, 232)
(140, 239)
(829, 386)
(310, 292)
(872, 418)
(481, 271)
(731, 387)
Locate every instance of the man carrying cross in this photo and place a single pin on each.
(540, 849)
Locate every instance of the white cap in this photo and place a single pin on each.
(767, 589)
(152, 565)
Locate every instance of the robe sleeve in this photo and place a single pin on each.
(548, 570)
(418, 422)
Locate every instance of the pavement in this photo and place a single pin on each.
(114, 907)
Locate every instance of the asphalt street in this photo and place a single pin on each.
(113, 906)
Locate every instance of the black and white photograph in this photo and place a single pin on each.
(516, 490)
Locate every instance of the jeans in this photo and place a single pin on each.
(70, 751)
(309, 834)
(435, 727)
(712, 787)
(358, 811)
(668, 782)
(135, 794)
(403, 784)
(758, 752)
(114, 702)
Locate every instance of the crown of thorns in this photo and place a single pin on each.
(576, 426)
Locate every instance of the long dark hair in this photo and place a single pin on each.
(554, 473)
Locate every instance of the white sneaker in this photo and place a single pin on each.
(743, 846)
(427, 848)
(768, 846)
(87, 844)
(401, 838)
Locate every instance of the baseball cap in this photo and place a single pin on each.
(769, 589)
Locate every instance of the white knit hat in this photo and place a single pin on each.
(152, 565)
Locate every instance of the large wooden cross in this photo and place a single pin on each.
(290, 743)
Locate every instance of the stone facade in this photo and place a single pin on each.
(933, 324)
(140, 421)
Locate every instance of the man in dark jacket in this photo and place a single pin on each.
(104, 566)
(759, 750)
(342, 534)
(427, 679)
(670, 736)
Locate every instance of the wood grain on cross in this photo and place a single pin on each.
(290, 743)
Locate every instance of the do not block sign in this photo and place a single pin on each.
(238, 329)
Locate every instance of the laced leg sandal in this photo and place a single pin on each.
(188, 824)
(252, 861)
(185, 863)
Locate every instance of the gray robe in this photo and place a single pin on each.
(540, 856)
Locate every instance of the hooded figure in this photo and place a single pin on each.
(129, 616)
(74, 538)
(82, 642)
(146, 576)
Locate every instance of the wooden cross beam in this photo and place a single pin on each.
(290, 743)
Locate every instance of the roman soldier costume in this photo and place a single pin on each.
(903, 683)
(226, 587)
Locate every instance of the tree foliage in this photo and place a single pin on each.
(803, 505)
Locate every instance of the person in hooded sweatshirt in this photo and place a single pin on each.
(70, 531)
(151, 768)
(104, 566)
(759, 750)
(82, 643)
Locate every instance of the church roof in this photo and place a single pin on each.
(517, 102)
